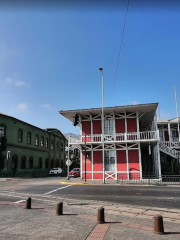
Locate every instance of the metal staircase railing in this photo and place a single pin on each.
(169, 150)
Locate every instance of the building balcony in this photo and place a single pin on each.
(118, 137)
(171, 144)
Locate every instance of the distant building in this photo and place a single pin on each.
(169, 146)
(128, 147)
(33, 151)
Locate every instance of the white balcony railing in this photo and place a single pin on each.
(118, 137)
(171, 144)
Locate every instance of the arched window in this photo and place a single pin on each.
(37, 140)
(42, 141)
(57, 145)
(62, 147)
(30, 162)
(40, 162)
(57, 163)
(52, 143)
(46, 142)
(29, 138)
(52, 163)
(23, 162)
(20, 135)
(62, 163)
(2, 160)
(2, 130)
(14, 162)
(46, 163)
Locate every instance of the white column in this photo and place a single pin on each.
(115, 156)
(137, 123)
(81, 162)
(125, 125)
(178, 129)
(159, 162)
(92, 139)
(163, 135)
(92, 159)
(140, 163)
(169, 132)
(127, 161)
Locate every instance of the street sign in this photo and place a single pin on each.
(68, 162)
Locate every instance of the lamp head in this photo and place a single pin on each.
(100, 69)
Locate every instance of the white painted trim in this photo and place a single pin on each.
(140, 160)
(159, 163)
(81, 162)
(169, 132)
(127, 162)
(125, 120)
(137, 123)
(92, 160)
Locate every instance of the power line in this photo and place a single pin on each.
(119, 51)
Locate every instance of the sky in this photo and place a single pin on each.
(50, 56)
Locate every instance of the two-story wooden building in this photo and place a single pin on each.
(127, 148)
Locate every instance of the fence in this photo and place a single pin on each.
(151, 180)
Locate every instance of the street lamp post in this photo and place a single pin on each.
(101, 69)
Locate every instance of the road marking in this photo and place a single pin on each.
(20, 201)
(73, 183)
(57, 189)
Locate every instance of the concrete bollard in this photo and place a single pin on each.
(100, 216)
(28, 204)
(59, 209)
(158, 224)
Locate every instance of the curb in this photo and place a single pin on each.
(70, 183)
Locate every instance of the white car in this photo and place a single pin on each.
(55, 171)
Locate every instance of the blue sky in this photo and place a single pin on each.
(50, 55)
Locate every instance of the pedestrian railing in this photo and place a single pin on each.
(150, 180)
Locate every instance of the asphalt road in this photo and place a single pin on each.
(150, 196)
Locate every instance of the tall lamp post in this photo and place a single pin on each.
(101, 69)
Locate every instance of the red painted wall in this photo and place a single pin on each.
(131, 125)
(121, 160)
(87, 125)
(98, 176)
(134, 176)
(120, 125)
(88, 166)
(133, 156)
(122, 176)
(88, 162)
(97, 127)
(88, 175)
(97, 159)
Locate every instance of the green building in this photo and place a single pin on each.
(33, 151)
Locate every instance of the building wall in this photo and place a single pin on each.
(127, 164)
(24, 154)
(127, 160)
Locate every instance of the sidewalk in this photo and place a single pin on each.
(80, 222)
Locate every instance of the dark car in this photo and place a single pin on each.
(74, 173)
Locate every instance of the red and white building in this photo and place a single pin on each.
(128, 147)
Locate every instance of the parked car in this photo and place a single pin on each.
(55, 171)
(74, 173)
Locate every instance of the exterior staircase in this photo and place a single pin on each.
(172, 149)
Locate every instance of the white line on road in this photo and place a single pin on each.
(20, 201)
(57, 189)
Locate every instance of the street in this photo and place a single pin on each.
(129, 210)
(51, 188)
